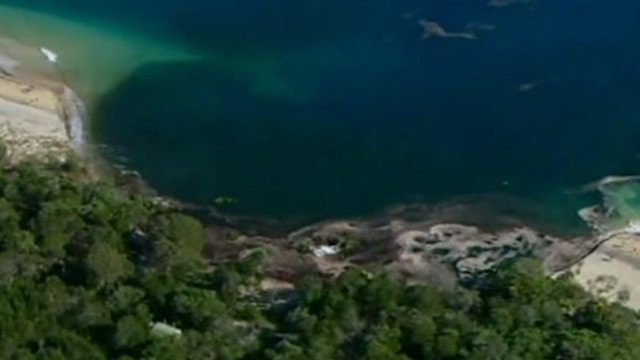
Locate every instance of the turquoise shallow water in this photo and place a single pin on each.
(325, 109)
(94, 53)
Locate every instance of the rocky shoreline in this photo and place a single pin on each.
(414, 240)
(38, 120)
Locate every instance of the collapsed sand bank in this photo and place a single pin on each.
(33, 115)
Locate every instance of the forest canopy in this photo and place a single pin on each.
(88, 271)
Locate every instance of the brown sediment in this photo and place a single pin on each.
(29, 93)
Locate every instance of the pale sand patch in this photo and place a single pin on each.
(613, 270)
(32, 129)
(28, 94)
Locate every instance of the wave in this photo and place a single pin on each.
(76, 112)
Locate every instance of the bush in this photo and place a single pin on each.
(86, 269)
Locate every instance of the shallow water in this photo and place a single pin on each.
(94, 54)
(328, 109)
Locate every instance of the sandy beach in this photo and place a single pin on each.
(32, 123)
(23, 93)
(612, 270)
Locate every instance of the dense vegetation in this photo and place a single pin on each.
(86, 270)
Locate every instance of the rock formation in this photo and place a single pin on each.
(443, 250)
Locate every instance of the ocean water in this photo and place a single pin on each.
(329, 108)
(94, 53)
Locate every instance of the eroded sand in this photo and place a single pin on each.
(27, 94)
(31, 121)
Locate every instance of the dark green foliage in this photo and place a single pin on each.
(522, 314)
(85, 270)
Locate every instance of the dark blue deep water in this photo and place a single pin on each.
(327, 107)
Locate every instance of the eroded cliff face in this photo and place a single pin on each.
(34, 108)
(32, 124)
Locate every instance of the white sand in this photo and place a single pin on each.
(613, 270)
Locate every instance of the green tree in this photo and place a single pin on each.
(131, 331)
(106, 265)
(85, 269)
(198, 308)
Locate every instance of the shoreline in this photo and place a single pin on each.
(42, 118)
(32, 121)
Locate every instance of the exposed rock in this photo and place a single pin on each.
(430, 243)
(421, 248)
